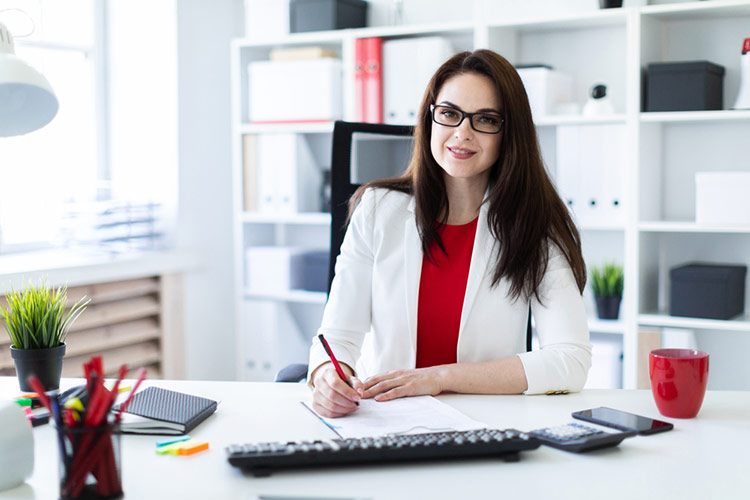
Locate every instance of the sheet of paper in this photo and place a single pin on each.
(415, 415)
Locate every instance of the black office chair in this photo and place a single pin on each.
(349, 139)
(360, 148)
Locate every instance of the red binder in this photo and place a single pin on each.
(359, 79)
(373, 103)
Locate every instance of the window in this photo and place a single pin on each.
(43, 170)
(104, 170)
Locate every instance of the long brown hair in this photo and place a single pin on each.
(525, 212)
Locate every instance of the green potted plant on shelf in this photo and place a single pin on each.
(607, 282)
(37, 323)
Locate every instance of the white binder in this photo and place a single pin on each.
(408, 65)
(289, 180)
(568, 173)
(266, 173)
(591, 172)
(615, 174)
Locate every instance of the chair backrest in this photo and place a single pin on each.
(361, 152)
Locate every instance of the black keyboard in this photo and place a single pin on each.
(262, 459)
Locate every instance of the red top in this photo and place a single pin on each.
(442, 287)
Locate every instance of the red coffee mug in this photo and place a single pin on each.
(678, 380)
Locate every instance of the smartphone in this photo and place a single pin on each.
(622, 420)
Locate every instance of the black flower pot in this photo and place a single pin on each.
(608, 307)
(46, 364)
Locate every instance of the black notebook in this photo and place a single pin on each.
(161, 411)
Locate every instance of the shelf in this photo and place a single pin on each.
(339, 36)
(740, 324)
(309, 38)
(579, 20)
(287, 128)
(311, 218)
(684, 11)
(589, 226)
(606, 325)
(694, 116)
(296, 296)
(554, 120)
(688, 227)
(636, 35)
(442, 29)
(588, 19)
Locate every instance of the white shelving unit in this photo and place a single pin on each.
(664, 150)
(291, 296)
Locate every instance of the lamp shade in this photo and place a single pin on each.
(27, 101)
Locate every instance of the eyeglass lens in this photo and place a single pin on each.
(481, 122)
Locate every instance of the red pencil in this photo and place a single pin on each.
(141, 375)
(335, 362)
(36, 384)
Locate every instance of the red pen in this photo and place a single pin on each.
(335, 362)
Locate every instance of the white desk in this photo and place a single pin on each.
(702, 458)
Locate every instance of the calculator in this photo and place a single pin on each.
(579, 438)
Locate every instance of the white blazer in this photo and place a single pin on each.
(370, 320)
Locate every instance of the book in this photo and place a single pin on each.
(161, 411)
(300, 53)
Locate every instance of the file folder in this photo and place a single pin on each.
(373, 80)
(591, 165)
(408, 65)
(359, 79)
(288, 176)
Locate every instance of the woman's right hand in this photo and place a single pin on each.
(332, 397)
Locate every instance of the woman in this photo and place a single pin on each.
(439, 267)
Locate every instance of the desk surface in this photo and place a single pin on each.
(705, 457)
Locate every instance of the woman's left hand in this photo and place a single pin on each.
(402, 383)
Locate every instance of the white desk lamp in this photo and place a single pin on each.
(27, 101)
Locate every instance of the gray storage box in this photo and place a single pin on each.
(314, 270)
(320, 15)
(684, 86)
(707, 290)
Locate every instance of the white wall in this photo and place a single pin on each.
(143, 102)
(204, 30)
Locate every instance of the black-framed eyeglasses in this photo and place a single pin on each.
(486, 123)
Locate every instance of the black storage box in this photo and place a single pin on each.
(707, 290)
(320, 15)
(684, 86)
(315, 270)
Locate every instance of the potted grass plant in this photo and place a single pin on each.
(607, 282)
(38, 321)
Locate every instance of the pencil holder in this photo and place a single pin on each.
(90, 464)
